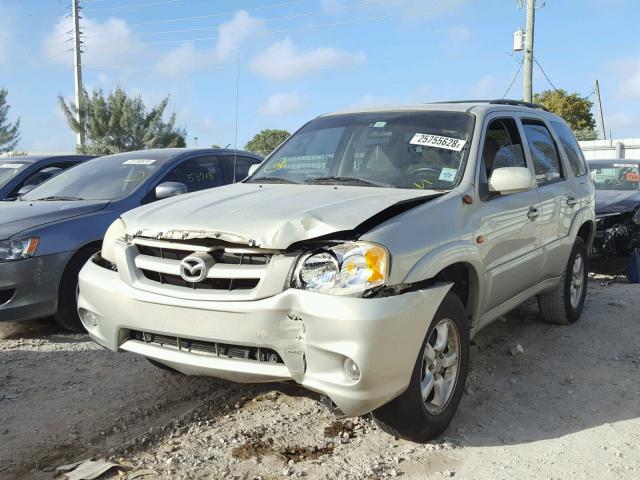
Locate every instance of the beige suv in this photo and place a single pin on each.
(359, 259)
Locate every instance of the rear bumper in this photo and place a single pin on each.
(29, 288)
(313, 334)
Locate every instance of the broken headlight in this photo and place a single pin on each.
(18, 249)
(114, 232)
(346, 269)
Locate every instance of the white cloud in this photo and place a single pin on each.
(371, 101)
(485, 87)
(282, 104)
(111, 42)
(332, 6)
(6, 33)
(187, 57)
(458, 34)
(628, 72)
(283, 61)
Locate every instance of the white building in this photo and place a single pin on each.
(611, 149)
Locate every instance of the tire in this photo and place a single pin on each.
(561, 305)
(409, 416)
(67, 314)
(162, 366)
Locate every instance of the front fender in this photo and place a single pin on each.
(441, 257)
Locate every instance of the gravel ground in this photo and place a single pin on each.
(568, 406)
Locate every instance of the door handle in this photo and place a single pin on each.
(571, 201)
(533, 212)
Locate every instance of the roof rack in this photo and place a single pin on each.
(502, 101)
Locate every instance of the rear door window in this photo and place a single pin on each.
(571, 148)
(544, 153)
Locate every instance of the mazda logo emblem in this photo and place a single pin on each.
(195, 268)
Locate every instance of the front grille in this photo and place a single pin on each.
(215, 349)
(206, 284)
(220, 256)
(6, 295)
(159, 262)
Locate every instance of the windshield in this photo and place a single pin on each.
(419, 150)
(105, 178)
(9, 169)
(615, 176)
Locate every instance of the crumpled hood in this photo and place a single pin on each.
(269, 216)
(616, 201)
(18, 216)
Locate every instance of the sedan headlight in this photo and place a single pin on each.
(18, 249)
(346, 269)
(114, 232)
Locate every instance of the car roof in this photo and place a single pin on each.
(38, 158)
(477, 106)
(170, 153)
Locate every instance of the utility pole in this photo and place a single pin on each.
(77, 65)
(599, 113)
(528, 51)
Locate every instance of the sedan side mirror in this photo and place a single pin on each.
(170, 189)
(507, 180)
(26, 189)
(253, 169)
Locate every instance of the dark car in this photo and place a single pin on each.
(49, 233)
(617, 206)
(18, 175)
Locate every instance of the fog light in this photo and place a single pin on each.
(88, 318)
(351, 369)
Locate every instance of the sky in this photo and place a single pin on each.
(287, 61)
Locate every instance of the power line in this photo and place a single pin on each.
(544, 73)
(276, 19)
(514, 78)
(137, 5)
(212, 15)
(285, 30)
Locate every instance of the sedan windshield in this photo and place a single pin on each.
(9, 169)
(615, 176)
(106, 178)
(419, 150)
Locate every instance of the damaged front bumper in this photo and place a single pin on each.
(311, 338)
(616, 235)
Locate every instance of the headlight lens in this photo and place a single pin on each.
(18, 249)
(114, 232)
(346, 269)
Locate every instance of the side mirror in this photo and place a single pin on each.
(170, 189)
(253, 169)
(507, 180)
(26, 189)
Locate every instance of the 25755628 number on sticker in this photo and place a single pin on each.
(437, 141)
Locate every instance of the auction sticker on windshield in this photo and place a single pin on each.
(139, 162)
(12, 165)
(437, 141)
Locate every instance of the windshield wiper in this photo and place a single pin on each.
(346, 180)
(271, 180)
(57, 197)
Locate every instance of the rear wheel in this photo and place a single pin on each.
(563, 305)
(67, 314)
(428, 405)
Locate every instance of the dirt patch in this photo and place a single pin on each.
(565, 407)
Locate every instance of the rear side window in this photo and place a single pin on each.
(241, 164)
(571, 147)
(546, 161)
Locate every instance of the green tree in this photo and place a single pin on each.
(119, 123)
(266, 141)
(573, 108)
(9, 132)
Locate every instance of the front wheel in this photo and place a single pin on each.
(428, 405)
(67, 314)
(563, 305)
